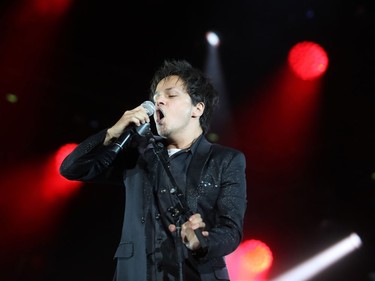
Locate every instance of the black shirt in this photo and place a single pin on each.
(161, 248)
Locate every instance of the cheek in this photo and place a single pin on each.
(183, 110)
(186, 113)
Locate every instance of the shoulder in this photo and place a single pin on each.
(225, 149)
(217, 150)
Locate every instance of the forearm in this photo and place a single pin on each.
(88, 160)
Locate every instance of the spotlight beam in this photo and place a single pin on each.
(321, 261)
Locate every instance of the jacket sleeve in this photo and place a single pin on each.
(226, 225)
(91, 161)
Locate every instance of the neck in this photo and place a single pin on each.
(183, 142)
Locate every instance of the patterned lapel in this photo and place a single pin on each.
(150, 181)
(195, 169)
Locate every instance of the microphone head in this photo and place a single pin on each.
(149, 106)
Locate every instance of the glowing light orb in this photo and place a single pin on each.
(308, 60)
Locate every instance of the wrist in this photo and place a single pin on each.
(189, 246)
(109, 137)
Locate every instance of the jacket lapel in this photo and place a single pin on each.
(195, 170)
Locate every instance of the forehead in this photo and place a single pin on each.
(169, 83)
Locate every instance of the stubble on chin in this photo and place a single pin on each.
(162, 131)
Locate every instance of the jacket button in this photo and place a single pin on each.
(143, 220)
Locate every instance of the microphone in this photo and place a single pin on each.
(142, 130)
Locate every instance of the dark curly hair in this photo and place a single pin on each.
(197, 84)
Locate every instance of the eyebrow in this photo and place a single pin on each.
(168, 89)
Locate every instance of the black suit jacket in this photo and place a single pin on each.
(215, 188)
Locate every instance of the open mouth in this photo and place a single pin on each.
(159, 115)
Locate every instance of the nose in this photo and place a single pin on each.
(159, 99)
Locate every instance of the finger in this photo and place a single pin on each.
(172, 228)
(198, 225)
(137, 115)
(195, 217)
(195, 220)
(142, 114)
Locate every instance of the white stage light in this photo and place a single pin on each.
(321, 261)
(213, 39)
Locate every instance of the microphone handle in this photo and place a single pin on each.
(200, 237)
(198, 232)
(126, 137)
(120, 143)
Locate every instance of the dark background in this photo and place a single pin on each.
(100, 63)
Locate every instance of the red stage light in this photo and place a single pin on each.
(56, 7)
(250, 262)
(62, 153)
(55, 185)
(308, 60)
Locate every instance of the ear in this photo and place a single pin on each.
(198, 110)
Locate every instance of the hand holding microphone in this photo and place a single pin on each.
(135, 121)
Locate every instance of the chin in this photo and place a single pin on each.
(162, 133)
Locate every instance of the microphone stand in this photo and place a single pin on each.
(179, 250)
(180, 212)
